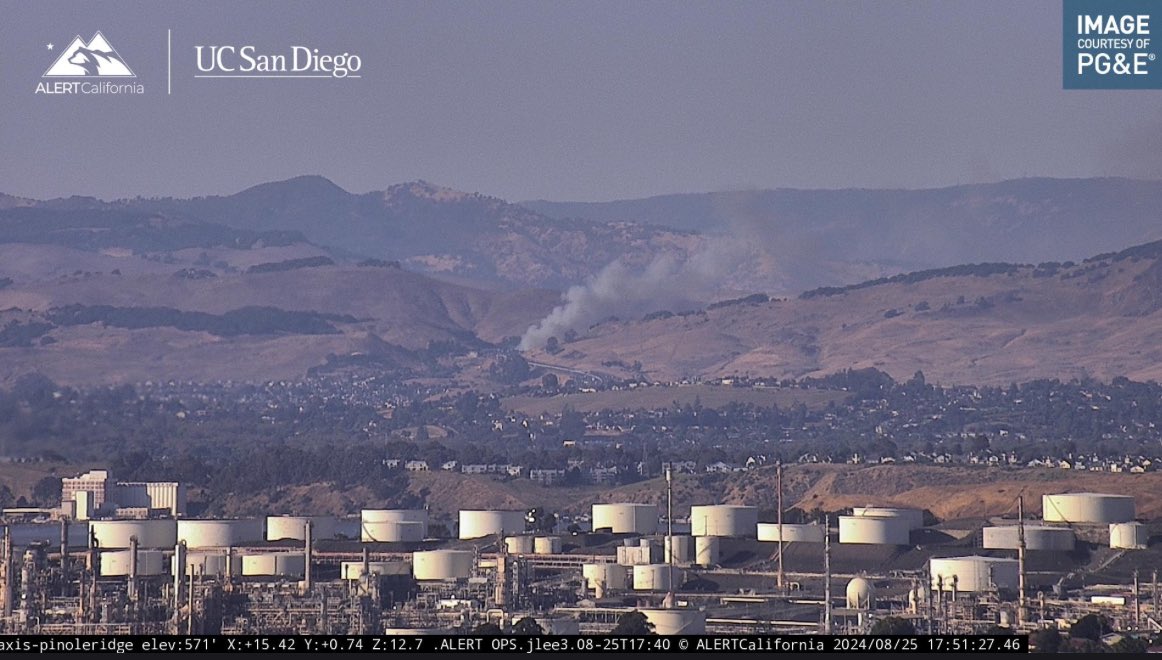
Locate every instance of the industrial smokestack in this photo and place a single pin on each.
(6, 596)
(65, 550)
(307, 535)
(133, 568)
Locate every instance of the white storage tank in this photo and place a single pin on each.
(656, 577)
(211, 564)
(680, 547)
(442, 564)
(149, 533)
(396, 515)
(1095, 508)
(706, 550)
(677, 621)
(866, 529)
(117, 562)
(724, 520)
(219, 533)
(278, 564)
(353, 570)
(281, 528)
(547, 545)
(792, 533)
(915, 517)
(860, 594)
(476, 524)
(1037, 537)
(973, 574)
(626, 518)
(1129, 536)
(392, 531)
(608, 576)
(519, 545)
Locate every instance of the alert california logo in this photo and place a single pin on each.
(88, 68)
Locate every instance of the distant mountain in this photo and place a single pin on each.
(434, 229)
(974, 324)
(815, 238)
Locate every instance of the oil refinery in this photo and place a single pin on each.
(723, 569)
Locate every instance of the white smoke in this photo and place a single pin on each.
(669, 282)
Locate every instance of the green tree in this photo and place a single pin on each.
(633, 623)
(1047, 640)
(527, 626)
(1090, 626)
(47, 491)
(489, 628)
(893, 625)
(1130, 645)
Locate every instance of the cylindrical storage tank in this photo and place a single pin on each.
(1096, 508)
(915, 517)
(681, 547)
(519, 545)
(796, 533)
(280, 528)
(442, 564)
(211, 564)
(219, 533)
(609, 576)
(149, 533)
(883, 531)
(656, 577)
(396, 515)
(626, 518)
(677, 621)
(353, 570)
(724, 520)
(1037, 537)
(476, 524)
(1129, 535)
(392, 531)
(706, 550)
(117, 562)
(973, 574)
(861, 594)
(279, 564)
(547, 545)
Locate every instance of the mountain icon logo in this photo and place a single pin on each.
(97, 59)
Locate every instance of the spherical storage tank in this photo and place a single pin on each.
(219, 533)
(796, 533)
(1037, 537)
(442, 564)
(149, 533)
(861, 594)
(1129, 536)
(479, 524)
(656, 577)
(279, 528)
(915, 517)
(117, 562)
(975, 574)
(607, 576)
(280, 564)
(393, 525)
(1097, 508)
(626, 518)
(677, 621)
(867, 529)
(723, 520)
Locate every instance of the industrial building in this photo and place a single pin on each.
(95, 493)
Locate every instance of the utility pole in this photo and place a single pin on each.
(779, 487)
(827, 575)
(1021, 614)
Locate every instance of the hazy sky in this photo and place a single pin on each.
(570, 100)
